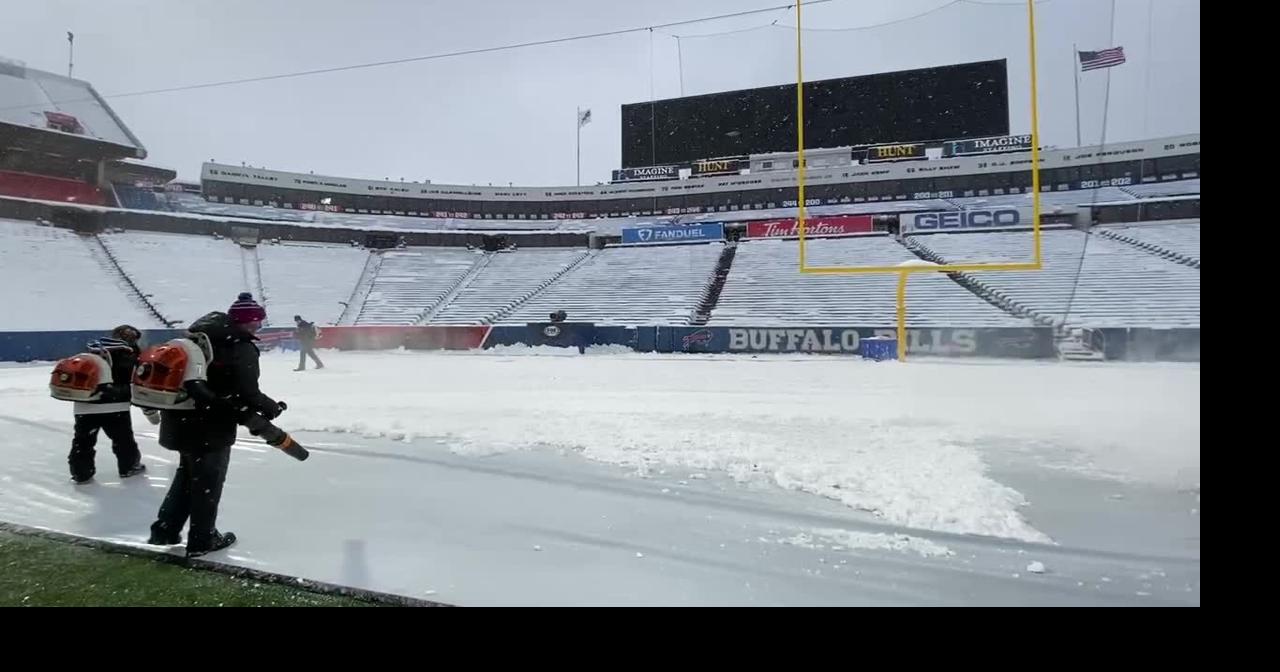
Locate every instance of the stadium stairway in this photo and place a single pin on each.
(103, 254)
(412, 282)
(989, 294)
(515, 305)
(977, 288)
(482, 263)
(355, 303)
(1163, 253)
(251, 268)
(1071, 344)
(711, 295)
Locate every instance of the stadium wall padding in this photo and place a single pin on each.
(1012, 342)
(564, 334)
(47, 346)
(1138, 344)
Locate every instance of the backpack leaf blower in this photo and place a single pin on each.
(173, 376)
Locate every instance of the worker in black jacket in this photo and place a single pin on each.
(306, 334)
(203, 437)
(109, 413)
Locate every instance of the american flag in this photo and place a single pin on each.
(1092, 60)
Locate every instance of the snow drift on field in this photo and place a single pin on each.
(903, 441)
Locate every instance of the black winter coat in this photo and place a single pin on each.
(305, 332)
(124, 356)
(233, 377)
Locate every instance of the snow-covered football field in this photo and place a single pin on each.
(539, 476)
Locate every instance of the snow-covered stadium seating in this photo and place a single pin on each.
(196, 204)
(137, 198)
(184, 276)
(628, 286)
(1162, 189)
(182, 201)
(407, 223)
(765, 288)
(411, 282)
(311, 280)
(1180, 239)
(1048, 199)
(505, 279)
(54, 279)
(1119, 284)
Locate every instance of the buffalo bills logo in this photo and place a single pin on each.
(701, 337)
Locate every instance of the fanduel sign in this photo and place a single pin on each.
(964, 219)
(694, 233)
(840, 225)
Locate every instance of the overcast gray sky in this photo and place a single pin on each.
(509, 116)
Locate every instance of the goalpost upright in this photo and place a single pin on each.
(905, 271)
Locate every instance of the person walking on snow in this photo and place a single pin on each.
(110, 412)
(306, 333)
(203, 437)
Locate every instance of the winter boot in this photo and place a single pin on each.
(215, 542)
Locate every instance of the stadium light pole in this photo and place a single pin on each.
(71, 51)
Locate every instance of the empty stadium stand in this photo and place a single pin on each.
(411, 283)
(765, 288)
(1119, 285)
(1178, 241)
(1048, 199)
(310, 280)
(183, 276)
(628, 286)
(46, 188)
(506, 279)
(1160, 189)
(181, 201)
(138, 198)
(55, 279)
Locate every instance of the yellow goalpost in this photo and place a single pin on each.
(905, 271)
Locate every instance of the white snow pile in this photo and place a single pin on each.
(1036, 567)
(840, 540)
(814, 426)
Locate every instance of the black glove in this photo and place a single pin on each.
(282, 406)
(114, 392)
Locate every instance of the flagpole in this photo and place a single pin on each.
(1075, 68)
(577, 119)
(680, 64)
(71, 51)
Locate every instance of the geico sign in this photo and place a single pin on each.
(966, 219)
